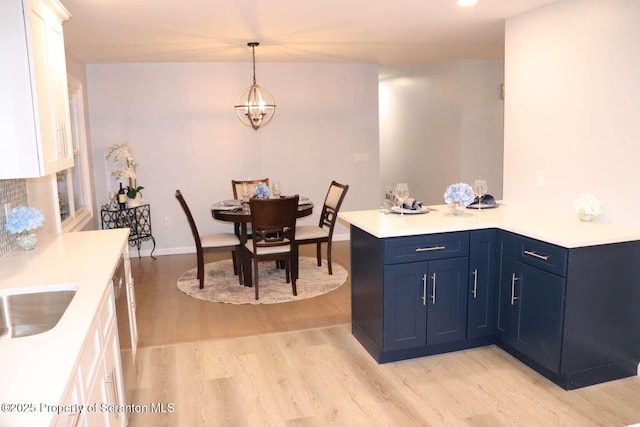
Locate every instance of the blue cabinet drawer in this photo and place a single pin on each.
(423, 248)
(543, 255)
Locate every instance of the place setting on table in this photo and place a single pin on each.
(397, 201)
(458, 197)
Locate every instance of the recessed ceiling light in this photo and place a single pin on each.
(466, 3)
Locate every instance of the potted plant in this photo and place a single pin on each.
(124, 166)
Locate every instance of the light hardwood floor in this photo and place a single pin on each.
(297, 364)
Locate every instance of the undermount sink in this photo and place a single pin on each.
(31, 311)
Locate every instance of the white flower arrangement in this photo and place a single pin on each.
(587, 204)
(261, 191)
(459, 193)
(22, 218)
(124, 166)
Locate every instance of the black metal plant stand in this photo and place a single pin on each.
(137, 219)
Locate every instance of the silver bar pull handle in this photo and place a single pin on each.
(433, 292)
(475, 283)
(424, 289)
(536, 255)
(513, 288)
(111, 379)
(431, 248)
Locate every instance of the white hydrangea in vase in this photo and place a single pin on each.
(261, 191)
(587, 206)
(23, 223)
(458, 197)
(124, 166)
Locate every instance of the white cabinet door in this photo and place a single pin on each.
(131, 301)
(34, 109)
(72, 400)
(114, 395)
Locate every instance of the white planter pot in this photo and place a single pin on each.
(134, 203)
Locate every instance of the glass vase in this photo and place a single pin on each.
(585, 217)
(26, 240)
(457, 208)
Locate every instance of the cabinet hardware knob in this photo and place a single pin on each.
(536, 255)
(431, 248)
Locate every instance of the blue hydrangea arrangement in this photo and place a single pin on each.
(22, 218)
(459, 193)
(261, 191)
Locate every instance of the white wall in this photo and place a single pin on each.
(179, 120)
(441, 124)
(482, 123)
(572, 111)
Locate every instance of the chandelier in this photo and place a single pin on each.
(255, 106)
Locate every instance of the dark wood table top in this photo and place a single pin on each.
(240, 215)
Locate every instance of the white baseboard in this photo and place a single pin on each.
(192, 249)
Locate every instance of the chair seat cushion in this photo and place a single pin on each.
(308, 232)
(269, 250)
(219, 240)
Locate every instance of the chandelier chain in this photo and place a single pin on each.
(253, 49)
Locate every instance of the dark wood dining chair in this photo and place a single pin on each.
(323, 232)
(274, 233)
(237, 185)
(237, 194)
(217, 242)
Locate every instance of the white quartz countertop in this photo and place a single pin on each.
(35, 370)
(563, 230)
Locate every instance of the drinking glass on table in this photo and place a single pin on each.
(276, 189)
(479, 189)
(245, 192)
(402, 194)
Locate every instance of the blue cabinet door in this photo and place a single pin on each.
(482, 283)
(505, 285)
(538, 315)
(404, 314)
(446, 301)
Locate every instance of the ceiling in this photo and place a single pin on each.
(374, 31)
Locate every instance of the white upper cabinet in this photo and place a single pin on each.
(35, 134)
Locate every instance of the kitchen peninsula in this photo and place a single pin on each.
(561, 295)
(52, 377)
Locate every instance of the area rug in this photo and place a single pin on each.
(221, 285)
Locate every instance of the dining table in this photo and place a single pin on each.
(237, 212)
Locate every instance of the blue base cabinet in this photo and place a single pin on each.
(483, 250)
(425, 303)
(410, 295)
(570, 314)
(538, 315)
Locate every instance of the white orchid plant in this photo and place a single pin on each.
(124, 166)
